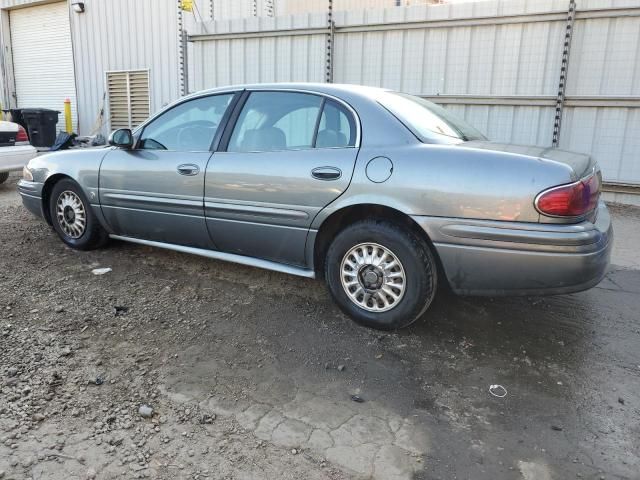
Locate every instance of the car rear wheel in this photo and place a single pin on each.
(381, 274)
(72, 217)
(4, 176)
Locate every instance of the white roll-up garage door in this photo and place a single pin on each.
(43, 58)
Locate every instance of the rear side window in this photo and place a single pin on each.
(273, 121)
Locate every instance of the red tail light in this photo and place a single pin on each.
(22, 136)
(570, 200)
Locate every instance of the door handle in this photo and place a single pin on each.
(326, 173)
(188, 169)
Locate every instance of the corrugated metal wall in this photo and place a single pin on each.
(231, 9)
(124, 35)
(605, 62)
(21, 3)
(492, 60)
(496, 63)
(263, 58)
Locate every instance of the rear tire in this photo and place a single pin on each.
(73, 218)
(381, 274)
(4, 176)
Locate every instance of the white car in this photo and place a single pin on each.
(15, 149)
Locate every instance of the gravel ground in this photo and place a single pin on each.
(173, 366)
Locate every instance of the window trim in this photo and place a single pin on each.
(320, 121)
(139, 131)
(233, 120)
(314, 139)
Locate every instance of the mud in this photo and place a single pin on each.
(241, 369)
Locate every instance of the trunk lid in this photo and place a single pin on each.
(8, 133)
(581, 164)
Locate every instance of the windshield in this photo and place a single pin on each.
(427, 120)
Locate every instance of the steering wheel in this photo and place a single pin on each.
(192, 133)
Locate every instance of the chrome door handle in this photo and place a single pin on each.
(188, 169)
(326, 173)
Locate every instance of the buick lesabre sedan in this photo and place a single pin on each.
(382, 194)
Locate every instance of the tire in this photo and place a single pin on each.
(68, 228)
(4, 176)
(415, 277)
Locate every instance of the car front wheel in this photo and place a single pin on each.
(381, 274)
(72, 217)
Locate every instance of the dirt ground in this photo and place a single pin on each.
(174, 366)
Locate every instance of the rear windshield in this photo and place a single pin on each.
(428, 121)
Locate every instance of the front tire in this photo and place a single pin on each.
(381, 274)
(4, 176)
(72, 217)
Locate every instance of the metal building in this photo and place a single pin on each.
(101, 54)
(544, 72)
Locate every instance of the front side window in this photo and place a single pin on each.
(189, 126)
(272, 121)
(427, 120)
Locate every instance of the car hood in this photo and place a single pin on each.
(580, 163)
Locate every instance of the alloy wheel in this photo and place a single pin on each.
(373, 277)
(71, 214)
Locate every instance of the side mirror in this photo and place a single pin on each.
(122, 138)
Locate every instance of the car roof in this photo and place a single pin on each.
(337, 89)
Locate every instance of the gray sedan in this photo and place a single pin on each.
(384, 195)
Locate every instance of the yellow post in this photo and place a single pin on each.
(1, 113)
(67, 116)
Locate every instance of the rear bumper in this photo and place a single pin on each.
(14, 158)
(512, 258)
(31, 193)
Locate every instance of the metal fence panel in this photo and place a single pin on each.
(496, 63)
(260, 58)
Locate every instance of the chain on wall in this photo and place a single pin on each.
(270, 8)
(254, 8)
(564, 69)
(181, 51)
(329, 45)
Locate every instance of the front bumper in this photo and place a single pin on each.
(31, 193)
(514, 258)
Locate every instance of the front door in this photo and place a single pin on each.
(155, 191)
(288, 156)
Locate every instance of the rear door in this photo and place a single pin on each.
(155, 191)
(288, 156)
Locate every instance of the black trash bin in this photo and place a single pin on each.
(41, 124)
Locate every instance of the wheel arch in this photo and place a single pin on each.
(348, 215)
(46, 193)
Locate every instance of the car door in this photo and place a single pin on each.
(155, 190)
(284, 157)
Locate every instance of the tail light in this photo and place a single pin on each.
(572, 200)
(21, 136)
